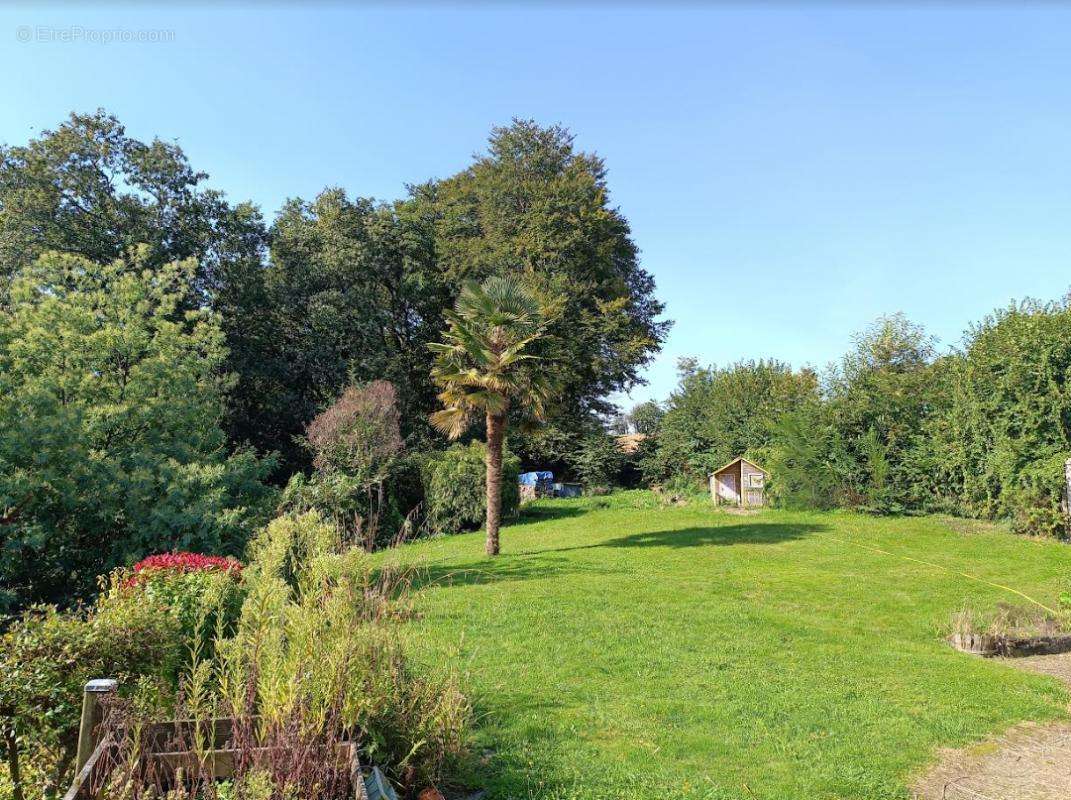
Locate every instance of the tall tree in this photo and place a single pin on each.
(535, 203)
(89, 189)
(354, 296)
(717, 414)
(486, 366)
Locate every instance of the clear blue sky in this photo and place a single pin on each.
(790, 172)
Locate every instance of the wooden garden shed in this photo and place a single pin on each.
(739, 483)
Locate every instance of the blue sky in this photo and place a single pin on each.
(790, 172)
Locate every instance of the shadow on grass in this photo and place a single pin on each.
(506, 567)
(714, 535)
(531, 515)
(538, 564)
(718, 535)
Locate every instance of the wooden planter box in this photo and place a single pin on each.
(96, 754)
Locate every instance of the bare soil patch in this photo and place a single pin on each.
(1029, 761)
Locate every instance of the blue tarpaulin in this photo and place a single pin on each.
(536, 478)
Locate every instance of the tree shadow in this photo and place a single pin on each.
(719, 535)
(506, 567)
(713, 535)
(545, 563)
(534, 514)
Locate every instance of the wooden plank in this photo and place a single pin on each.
(82, 786)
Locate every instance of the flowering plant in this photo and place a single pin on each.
(181, 563)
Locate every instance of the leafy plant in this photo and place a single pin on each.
(47, 656)
(110, 445)
(316, 659)
(455, 487)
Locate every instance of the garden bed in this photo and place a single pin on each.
(1010, 632)
(1008, 647)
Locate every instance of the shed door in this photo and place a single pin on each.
(727, 487)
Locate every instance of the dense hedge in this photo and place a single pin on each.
(455, 487)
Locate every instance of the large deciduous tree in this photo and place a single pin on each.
(486, 366)
(354, 295)
(88, 188)
(534, 202)
(111, 398)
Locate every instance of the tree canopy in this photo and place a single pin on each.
(111, 398)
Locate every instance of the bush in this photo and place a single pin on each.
(110, 444)
(203, 594)
(455, 487)
(47, 656)
(359, 434)
(316, 657)
(344, 500)
(599, 460)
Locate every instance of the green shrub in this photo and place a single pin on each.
(47, 656)
(203, 594)
(455, 487)
(316, 657)
(345, 501)
(598, 460)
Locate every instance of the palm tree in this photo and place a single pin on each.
(485, 367)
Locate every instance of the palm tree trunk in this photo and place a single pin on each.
(496, 430)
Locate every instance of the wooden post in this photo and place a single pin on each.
(1067, 486)
(92, 714)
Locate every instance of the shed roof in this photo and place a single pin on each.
(740, 458)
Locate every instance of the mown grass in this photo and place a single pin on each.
(617, 649)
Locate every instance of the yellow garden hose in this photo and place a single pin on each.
(948, 569)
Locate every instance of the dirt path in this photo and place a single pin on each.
(1030, 761)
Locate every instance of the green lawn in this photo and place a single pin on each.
(617, 649)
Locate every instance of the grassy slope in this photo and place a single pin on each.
(634, 651)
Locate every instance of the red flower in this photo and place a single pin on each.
(181, 563)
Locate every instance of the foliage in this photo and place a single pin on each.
(807, 460)
(646, 418)
(202, 593)
(337, 649)
(344, 501)
(599, 460)
(352, 294)
(455, 487)
(982, 432)
(1008, 621)
(880, 397)
(717, 414)
(87, 188)
(486, 367)
(534, 205)
(358, 434)
(47, 656)
(362, 481)
(486, 363)
(110, 445)
(1008, 430)
(317, 657)
(350, 290)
